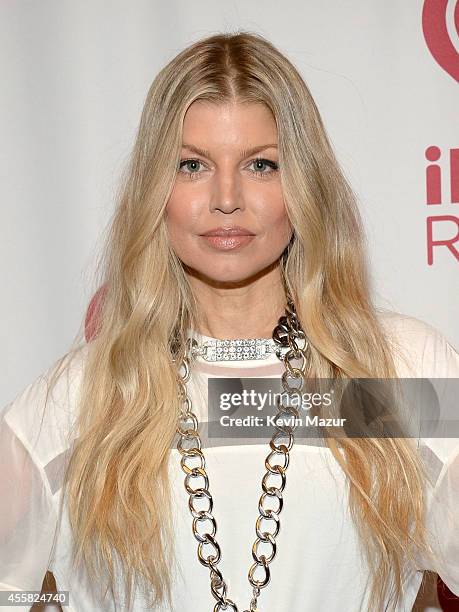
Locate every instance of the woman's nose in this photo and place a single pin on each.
(227, 194)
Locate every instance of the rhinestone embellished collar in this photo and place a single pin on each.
(239, 349)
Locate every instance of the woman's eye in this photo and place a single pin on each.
(192, 165)
(261, 164)
(261, 167)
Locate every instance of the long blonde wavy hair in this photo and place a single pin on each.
(116, 484)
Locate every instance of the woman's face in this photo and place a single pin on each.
(220, 184)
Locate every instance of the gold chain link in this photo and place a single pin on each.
(285, 334)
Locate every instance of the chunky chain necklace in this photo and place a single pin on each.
(286, 334)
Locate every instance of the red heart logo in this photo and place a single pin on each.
(437, 37)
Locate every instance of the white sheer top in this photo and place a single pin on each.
(319, 563)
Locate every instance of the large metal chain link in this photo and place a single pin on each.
(286, 334)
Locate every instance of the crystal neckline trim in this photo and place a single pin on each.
(238, 349)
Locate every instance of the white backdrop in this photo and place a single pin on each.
(74, 79)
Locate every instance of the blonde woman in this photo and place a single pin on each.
(235, 229)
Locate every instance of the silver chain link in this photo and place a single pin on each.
(285, 334)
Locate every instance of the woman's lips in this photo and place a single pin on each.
(227, 243)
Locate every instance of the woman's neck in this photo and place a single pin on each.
(251, 311)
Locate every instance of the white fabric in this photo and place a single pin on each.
(319, 563)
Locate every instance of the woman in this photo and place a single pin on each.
(235, 222)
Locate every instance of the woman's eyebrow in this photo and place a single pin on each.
(244, 152)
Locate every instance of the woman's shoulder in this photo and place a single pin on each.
(420, 349)
(42, 415)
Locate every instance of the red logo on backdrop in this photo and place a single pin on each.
(446, 224)
(438, 39)
(435, 21)
(93, 314)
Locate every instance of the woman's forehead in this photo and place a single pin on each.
(213, 125)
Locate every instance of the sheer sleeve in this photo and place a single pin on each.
(27, 516)
(443, 525)
(422, 351)
(441, 361)
(35, 439)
